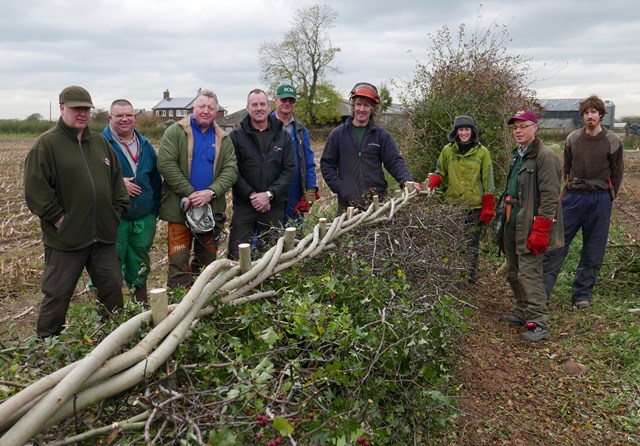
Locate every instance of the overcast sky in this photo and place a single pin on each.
(137, 49)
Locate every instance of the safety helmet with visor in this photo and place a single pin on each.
(366, 90)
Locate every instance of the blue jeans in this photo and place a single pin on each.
(591, 212)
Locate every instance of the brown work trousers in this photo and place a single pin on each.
(62, 269)
(182, 272)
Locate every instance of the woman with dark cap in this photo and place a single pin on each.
(465, 170)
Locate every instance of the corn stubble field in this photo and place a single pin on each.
(21, 251)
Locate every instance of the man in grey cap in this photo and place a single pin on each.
(73, 182)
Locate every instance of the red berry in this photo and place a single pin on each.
(258, 436)
(366, 443)
(311, 415)
(278, 440)
(361, 440)
(333, 296)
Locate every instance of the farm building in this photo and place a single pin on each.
(564, 114)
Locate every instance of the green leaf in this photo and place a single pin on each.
(269, 336)
(283, 426)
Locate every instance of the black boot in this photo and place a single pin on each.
(140, 294)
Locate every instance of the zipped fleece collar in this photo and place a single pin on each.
(72, 133)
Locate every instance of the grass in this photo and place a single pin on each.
(605, 337)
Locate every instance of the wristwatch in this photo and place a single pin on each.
(213, 194)
(270, 195)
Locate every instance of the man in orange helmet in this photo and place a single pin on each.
(352, 159)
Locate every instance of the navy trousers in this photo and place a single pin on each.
(591, 212)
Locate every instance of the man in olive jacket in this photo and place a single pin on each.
(197, 161)
(73, 182)
(533, 224)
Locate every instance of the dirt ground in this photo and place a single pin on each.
(515, 393)
(509, 389)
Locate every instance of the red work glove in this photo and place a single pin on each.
(488, 210)
(539, 238)
(435, 180)
(301, 206)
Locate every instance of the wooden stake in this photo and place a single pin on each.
(244, 250)
(323, 226)
(289, 239)
(159, 302)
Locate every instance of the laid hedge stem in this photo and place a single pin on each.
(104, 372)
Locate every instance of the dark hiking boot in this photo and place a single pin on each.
(534, 333)
(582, 304)
(511, 319)
(140, 294)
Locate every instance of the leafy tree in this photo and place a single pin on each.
(326, 107)
(469, 75)
(99, 119)
(385, 97)
(305, 58)
(34, 117)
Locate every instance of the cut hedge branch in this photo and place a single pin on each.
(107, 370)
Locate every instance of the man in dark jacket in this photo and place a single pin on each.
(141, 177)
(355, 152)
(73, 183)
(265, 170)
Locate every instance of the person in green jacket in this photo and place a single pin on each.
(73, 183)
(198, 164)
(465, 170)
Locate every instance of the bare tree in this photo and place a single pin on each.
(304, 58)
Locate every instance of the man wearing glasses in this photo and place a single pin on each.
(532, 225)
(137, 228)
(303, 189)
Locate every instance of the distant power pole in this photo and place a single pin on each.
(50, 111)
